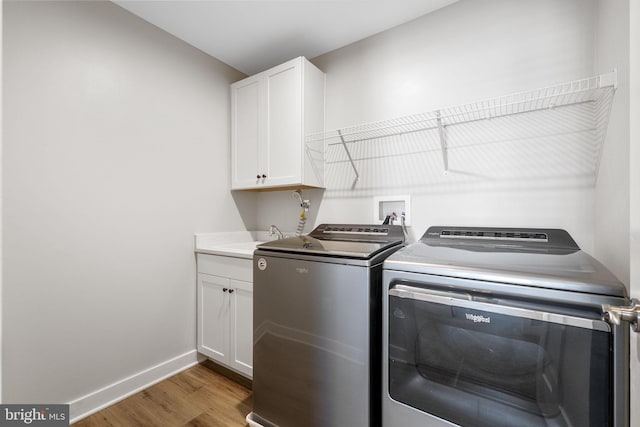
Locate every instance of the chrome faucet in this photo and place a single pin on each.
(275, 230)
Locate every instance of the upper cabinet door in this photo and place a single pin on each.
(271, 114)
(246, 129)
(284, 138)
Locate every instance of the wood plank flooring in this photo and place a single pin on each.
(197, 397)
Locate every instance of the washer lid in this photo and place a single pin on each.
(310, 245)
(352, 241)
(557, 263)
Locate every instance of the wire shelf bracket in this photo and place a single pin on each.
(346, 149)
(443, 142)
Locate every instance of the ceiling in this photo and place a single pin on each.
(253, 35)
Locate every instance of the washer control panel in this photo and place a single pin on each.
(358, 232)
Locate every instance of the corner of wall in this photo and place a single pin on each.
(634, 192)
(1, 257)
(611, 244)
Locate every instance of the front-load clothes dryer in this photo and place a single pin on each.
(494, 327)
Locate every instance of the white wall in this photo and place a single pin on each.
(466, 52)
(116, 142)
(634, 192)
(1, 117)
(612, 190)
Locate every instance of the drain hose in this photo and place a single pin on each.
(301, 223)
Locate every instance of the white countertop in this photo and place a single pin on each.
(239, 244)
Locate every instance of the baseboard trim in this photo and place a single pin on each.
(107, 396)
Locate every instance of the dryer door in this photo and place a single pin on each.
(479, 363)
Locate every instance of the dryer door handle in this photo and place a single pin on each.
(617, 314)
(447, 298)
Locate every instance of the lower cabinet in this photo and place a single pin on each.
(225, 316)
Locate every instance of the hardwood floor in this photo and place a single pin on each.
(197, 397)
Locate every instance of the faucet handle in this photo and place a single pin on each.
(275, 230)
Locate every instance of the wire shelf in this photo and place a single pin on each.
(595, 91)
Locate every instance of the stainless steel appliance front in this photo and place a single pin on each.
(497, 332)
(317, 328)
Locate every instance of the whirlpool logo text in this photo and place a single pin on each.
(476, 318)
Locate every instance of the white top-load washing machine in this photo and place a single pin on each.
(502, 327)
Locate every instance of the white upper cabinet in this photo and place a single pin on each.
(246, 117)
(271, 113)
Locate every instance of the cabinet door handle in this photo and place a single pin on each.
(230, 291)
(264, 176)
(224, 289)
(258, 176)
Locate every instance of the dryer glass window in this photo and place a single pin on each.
(476, 366)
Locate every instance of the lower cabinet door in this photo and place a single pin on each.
(213, 317)
(241, 327)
